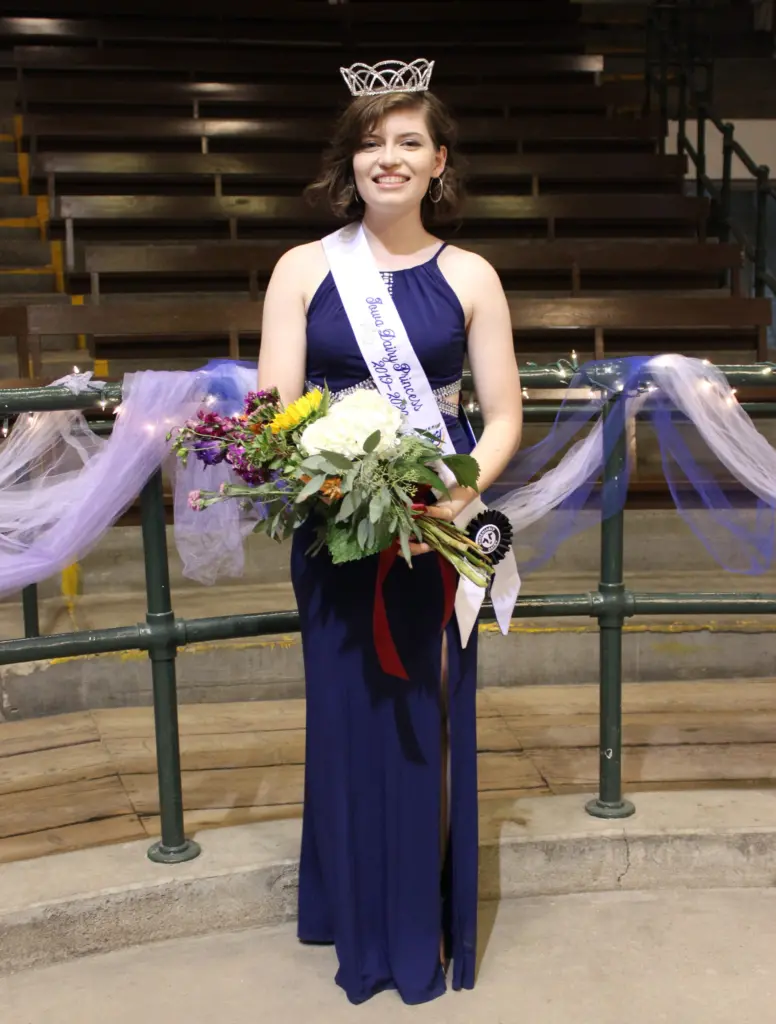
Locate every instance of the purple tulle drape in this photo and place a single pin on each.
(721, 472)
(57, 499)
(62, 487)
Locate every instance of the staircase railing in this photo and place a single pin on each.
(163, 633)
(679, 53)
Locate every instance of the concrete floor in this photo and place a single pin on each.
(695, 957)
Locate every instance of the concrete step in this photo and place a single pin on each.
(12, 284)
(17, 207)
(10, 187)
(8, 164)
(685, 953)
(30, 298)
(13, 234)
(24, 253)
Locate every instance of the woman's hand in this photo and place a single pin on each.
(448, 509)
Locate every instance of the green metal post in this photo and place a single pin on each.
(700, 175)
(727, 176)
(173, 847)
(682, 114)
(761, 231)
(30, 610)
(610, 803)
(663, 89)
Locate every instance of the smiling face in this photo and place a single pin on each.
(390, 146)
(396, 161)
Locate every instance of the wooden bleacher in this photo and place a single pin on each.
(64, 90)
(47, 131)
(542, 326)
(306, 22)
(573, 264)
(173, 154)
(232, 216)
(269, 64)
(214, 173)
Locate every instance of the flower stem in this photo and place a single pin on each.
(461, 556)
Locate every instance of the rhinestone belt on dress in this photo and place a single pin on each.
(447, 397)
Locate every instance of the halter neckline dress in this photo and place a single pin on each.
(371, 878)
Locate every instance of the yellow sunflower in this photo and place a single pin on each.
(297, 412)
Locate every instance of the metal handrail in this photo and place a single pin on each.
(163, 633)
(670, 46)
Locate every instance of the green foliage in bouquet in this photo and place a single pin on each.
(366, 486)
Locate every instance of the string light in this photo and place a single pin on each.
(5, 428)
(731, 398)
(76, 370)
(767, 370)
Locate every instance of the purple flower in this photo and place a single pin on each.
(252, 475)
(195, 501)
(212, 424)
(211, 452)
(254, 400)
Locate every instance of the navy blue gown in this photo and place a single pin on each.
(371, 878)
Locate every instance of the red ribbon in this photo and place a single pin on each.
(387, 655)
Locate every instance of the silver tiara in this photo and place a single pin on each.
(388, 76)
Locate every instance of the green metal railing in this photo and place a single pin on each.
(679, 68)
(162, 633)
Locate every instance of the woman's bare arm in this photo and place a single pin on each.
(496, 379)
(283, 351)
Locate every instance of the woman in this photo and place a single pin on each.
(387, 874)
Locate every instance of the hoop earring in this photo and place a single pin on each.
(436, 198)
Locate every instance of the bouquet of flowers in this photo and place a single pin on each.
(354, 462)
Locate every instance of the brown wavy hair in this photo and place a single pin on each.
(335, 185)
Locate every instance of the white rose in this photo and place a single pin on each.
(350, 421)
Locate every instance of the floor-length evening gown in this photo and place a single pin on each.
(370, 874)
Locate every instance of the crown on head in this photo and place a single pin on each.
(388, 76)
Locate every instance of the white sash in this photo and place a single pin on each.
(399, 377)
